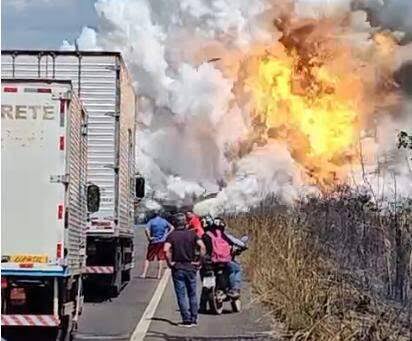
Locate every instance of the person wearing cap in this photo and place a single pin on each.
(180, 249)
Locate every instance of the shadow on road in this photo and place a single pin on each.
(160, 319)
(168, 337)
(97, 295)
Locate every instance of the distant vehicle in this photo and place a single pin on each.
(102, 82)
(44, 204)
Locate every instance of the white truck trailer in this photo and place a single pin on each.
(44, 204)
(104, 87)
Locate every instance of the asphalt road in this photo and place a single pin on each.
(117, 318)
(249, 324)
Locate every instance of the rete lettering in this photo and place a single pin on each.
(7, 111)
(48, 113)
(21, 112)
(34, 109)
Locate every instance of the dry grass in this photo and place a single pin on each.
(326, 278)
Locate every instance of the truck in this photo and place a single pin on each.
(44, 204)
(103, 84)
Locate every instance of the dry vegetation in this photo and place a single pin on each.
(334, 267)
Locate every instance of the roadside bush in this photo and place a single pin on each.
(333, 267)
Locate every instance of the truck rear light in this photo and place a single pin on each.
(4, 283)
(60, 212)
(61, 143)
(44, 90)
(59, 250)
(25, 265)
(9, 89)
(17, 296)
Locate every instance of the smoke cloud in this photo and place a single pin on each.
(186, 57)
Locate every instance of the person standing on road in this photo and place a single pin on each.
(194, 223)
(156, 232)
(180, 249)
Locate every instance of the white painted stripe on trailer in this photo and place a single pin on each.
(144, 323)
(30, 320)
(99, 269)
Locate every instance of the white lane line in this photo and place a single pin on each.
(141, 329)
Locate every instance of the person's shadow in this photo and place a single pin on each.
(161, 319)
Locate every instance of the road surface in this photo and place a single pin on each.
(120, 318)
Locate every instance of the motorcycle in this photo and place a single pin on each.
(215, 285)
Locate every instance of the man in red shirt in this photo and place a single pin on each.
(194, 223)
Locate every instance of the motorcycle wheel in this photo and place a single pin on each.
(236, 306)
(215, 305)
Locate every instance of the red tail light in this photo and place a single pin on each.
(61, 143)
(59, 250)
(4, 283)
(9, 89)
(60, 212)
(44, 90)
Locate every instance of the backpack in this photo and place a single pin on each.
(221, 248)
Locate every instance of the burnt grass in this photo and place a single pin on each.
(335, 266)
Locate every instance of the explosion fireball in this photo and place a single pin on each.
(312, 93)
(316, 123)
(247, 99)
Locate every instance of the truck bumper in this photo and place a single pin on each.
(13, 269)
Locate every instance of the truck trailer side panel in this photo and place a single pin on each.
(105, 89)
(42, 148)
(44, 206)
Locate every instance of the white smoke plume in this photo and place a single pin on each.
(188, 114)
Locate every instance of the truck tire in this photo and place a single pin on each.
(126, 275)
(117, 284)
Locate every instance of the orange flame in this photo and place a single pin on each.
(307, 106)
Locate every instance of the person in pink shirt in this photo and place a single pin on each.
(195, 224)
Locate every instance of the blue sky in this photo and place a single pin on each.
(43, 24)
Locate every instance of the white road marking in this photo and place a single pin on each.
(141, 329)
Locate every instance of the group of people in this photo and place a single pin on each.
(186, 243)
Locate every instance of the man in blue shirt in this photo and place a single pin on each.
(156, 232)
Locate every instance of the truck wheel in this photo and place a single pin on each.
(115, 288)
(126, 276)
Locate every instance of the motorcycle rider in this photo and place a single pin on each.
(217, 230)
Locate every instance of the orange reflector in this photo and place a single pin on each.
(26, 265)
(59, 250)
(61, 143)
(60, 212)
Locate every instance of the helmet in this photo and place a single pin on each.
(207, 222)
(219, 223)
